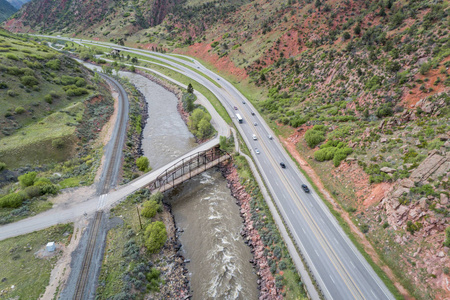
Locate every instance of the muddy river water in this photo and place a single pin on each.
(203, 207)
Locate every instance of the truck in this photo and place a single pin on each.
(239, 118)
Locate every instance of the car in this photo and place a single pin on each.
(235, 107)
(255, 123)
(243, 102)
(252, 113)
(270, 137)
(283, 165)
(305, 188)
(257, 151)
(254, 137)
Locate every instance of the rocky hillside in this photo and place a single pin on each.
(359, 90)
(90, 16)
(6, 10)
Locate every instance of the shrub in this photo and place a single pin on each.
(19, 110)
(447, 237)
(80, 82)
(2, 166)
(54, 64)
(12, 56)
(150, 209)
(315, 136)
(3, 85)
(29, 80)
(13, 200)
(155, 236)
(27, 179)
(77, 92)
(142, 163)
(32, 191)
(11, 93)
(425, 68)
(48, 98)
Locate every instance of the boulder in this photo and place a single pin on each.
(388, 170)
(444, 199)
(423, 203)
(443, 137)
(383, 140)
(441, 254)
(428, 166)
(399, 192)
(407, 183)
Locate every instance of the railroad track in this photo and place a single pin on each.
(117, 147)
(104, 186)
(84, 274)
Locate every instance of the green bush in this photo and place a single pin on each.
(27, 179)
(32, 191)
(19, 110)
(54, 64)
(11, 93)
(12, 56)
(12, 200)
(447, 237)
(2, 166)
(48, 98)
(58, 143)
(315, 136)
(150, 208)
(142, 163)
(29, 80)
(155, 236)
(77, 92)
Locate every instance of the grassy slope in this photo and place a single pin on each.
(23, 269)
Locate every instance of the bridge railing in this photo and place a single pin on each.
(187, 166)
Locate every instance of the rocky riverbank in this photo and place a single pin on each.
(266, 281)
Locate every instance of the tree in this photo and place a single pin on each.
(190, 89)
(204, 128)
(132, 68)
(27, 179)
(142, 163)
(155, 236)
(150, 208)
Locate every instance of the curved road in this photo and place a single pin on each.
(340, 270)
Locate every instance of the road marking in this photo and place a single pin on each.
(292, 211)
(101, 201)
(317, 254)
(372, 292)
(332, 279)
(352, 264)
(303, 230)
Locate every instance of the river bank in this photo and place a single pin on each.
(266, 281)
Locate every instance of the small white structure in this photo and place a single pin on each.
(51, 247)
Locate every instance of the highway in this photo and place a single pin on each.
(339, 269)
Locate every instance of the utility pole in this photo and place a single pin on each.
(139, 216)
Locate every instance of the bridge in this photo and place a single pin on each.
(187, 168)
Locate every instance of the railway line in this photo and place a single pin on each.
(113, 154)
(85, 267)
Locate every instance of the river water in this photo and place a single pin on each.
(219, 267)
(202, 206)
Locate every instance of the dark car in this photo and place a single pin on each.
(283, 165)
(305, 188)
(235, 107)
(252, 113)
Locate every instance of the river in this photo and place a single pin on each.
(209, 216)
(203, 206)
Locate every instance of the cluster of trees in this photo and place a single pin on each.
(155, 232)
(315, 135)
(199, 123)
(333, 150)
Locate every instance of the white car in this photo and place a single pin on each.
(257, 151)
(254, 137)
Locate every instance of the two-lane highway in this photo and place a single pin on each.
(339, 269)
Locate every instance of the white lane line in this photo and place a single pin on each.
(373, 293)
(352, 264)
(292, 211)
(303, 230)
(317, 252)
(332, 279)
